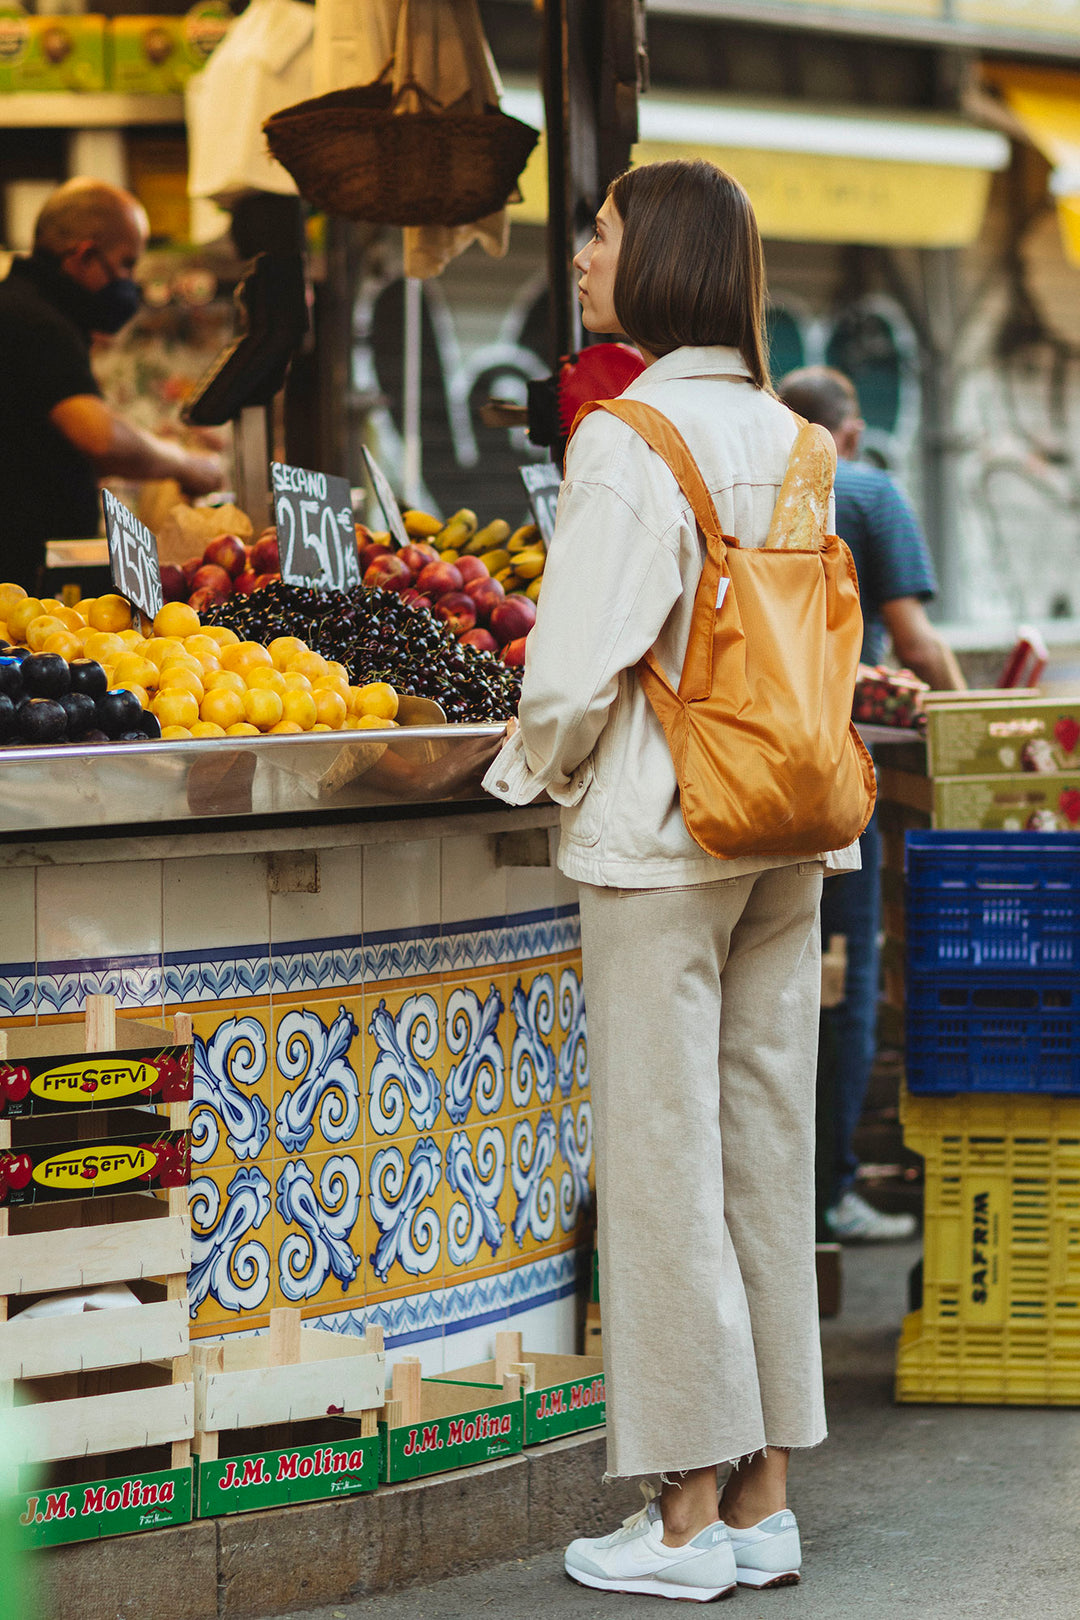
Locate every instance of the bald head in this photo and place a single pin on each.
(89, 212)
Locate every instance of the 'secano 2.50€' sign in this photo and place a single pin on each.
(316, 533)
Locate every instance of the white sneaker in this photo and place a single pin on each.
(769, 1553)
(635, 1559)
(853, 1220)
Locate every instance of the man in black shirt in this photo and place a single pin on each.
(57, 434)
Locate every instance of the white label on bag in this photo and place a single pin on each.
(721, 590)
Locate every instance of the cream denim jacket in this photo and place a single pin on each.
(620, 578)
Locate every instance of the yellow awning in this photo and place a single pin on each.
(817, 176)
(1046, 102)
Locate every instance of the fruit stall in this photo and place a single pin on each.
(263, 812)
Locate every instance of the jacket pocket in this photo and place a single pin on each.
(583, 822)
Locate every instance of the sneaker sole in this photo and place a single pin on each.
(664, 1589)
(762, 1579)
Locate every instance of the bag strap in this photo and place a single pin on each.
(662, 436)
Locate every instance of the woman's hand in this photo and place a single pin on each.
(511, 727)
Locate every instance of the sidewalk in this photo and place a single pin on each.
(907, 1513)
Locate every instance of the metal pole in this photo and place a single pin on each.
(410, 466)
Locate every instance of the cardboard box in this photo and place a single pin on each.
(1018, 803)
(51, 53)
(1006, 736)
(158, 55)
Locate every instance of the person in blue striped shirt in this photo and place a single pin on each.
(896, 580)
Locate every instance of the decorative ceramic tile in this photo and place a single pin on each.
(472, 885)
(109, 910)
(572, 1050)
(406, 1215)
(212, 901)
(18, 989)
(402, 886)
(532, 1071)
(534, 1172)
(316, 966)
(334, 912)
(475, 1015)
(575, 1167)
(17, 912)
(231, 1117)
(318, 1075)
(319, 1230)
(479, 1199)
(405, 1059)
(221, 973)
(401, 954)
(134, 982)
(231, 1262)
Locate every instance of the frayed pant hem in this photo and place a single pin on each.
(670, 1474)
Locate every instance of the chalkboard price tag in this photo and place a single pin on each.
(316, 532)
(133, 556)
(386, 498)
(542, 482)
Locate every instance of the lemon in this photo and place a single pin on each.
(207, 728)
(40, 629)
(286, 727)
(378, 698)
(176, 678)
(271, 680)
(242, 728)
(221, 706)
(157, 648)
(20, 614)
(263, 708)
(282, 648)
(300, 708)
(330, 707)
(102, 646)
(227, 678)
(245, 656)
(221, 634)
(9, 595)
(175, 707)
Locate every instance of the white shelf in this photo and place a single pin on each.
(64, 109)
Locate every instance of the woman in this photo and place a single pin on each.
(702, 976)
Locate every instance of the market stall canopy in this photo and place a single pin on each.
(1046, 105)
(822, 176)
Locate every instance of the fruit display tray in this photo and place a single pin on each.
(73, 786)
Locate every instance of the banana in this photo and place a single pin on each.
(524, 539)
(456, 534)
(533, 591)
(529, 564)
(450, 555)
(494, 560)
(491, 535)
(421, 525)
(465, 515)
(508, 579)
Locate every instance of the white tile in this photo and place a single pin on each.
(17, 915)
(465, 1349)
(215, 900)
(564, 889)
(401, 885)
(473, 887)
(529, 888)
(549, 1330)
(332, 913)
(111, 909)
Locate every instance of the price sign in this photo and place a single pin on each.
(133, 556)
(542, 482)
(387, 500)
(316, 533)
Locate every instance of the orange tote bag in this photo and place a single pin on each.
(767, 759)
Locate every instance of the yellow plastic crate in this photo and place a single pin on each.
(1012, 1365)
(1000, 1315)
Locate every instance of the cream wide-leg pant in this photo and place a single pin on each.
(702, 1006)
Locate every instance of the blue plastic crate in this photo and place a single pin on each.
(981, 1032)
(994, 901)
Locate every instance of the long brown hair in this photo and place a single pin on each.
(691, 270)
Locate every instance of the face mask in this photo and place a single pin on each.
(114, 305)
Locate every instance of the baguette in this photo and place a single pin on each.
(801, 514)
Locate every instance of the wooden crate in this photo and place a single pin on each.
(100, 1402)
(560, 1394)
(431, 1424)
(290, 1416)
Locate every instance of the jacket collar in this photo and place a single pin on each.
(714, 361)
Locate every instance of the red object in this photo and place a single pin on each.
(513, 653)
(438, 578)
(418, 556)
(202, 599)
(512, 619)
(244, 583)
(389, 573)
(601, 371)
(372, 552)
(1026, 662)
(482, 640)
(471, 568)
(190, 567)
(174, 585)
(1067, 733)
(227, 551)
(457, 610)
(1069, 805)
(16, 1169)
(263, 557)
(487, 594)
(211, 577)
(14, 1082)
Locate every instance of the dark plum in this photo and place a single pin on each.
(7, 717)
(118, 711)
(45, 675)
(88, 676)
(150, 725)
(11, 678)
(40, 720)
(81, 712)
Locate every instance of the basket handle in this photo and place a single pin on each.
(406, 90)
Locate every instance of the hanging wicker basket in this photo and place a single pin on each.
(363, 154)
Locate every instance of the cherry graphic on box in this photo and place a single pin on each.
(15, 1171)
(14, 1082)
(174, 1079)
(1069, 805)
(1067, 733)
